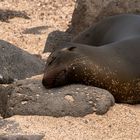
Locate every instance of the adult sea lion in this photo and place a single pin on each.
(115, 67)
(111, 29)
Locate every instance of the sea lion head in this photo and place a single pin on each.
(59, 67)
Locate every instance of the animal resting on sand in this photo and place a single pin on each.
(106, 56)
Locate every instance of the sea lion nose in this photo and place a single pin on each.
(54, 77)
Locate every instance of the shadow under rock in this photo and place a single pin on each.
(36, 30)
(5, 15)
(22, 137)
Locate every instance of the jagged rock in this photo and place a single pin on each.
(88, 12)
(55, 39)
(29, 97)
(17, 64)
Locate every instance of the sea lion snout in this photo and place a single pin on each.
(54, 77)
(56, 71)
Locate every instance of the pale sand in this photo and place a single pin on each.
(121, 122)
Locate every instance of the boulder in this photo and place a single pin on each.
(29, 97)
(89, 12)
(17, 64)
(55, 39)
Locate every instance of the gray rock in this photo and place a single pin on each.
(5, 92)
(88, 12)
(17, 64)
(29, 97)
(55, 39)
(22, 137)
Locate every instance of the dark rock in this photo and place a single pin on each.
(5, 92)
(29, 97)
(90, 12)
(6, 79)
(17, 64)
(55, 39)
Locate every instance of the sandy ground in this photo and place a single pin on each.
(122, 122)
(45, 16)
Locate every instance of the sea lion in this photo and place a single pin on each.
(114, 67)
(109, 30)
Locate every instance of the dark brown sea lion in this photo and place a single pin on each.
(115, 67)
(111, 29)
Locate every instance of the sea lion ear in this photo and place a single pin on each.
(71, 48)
(68, 48)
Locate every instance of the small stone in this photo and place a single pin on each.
(69, 98)
(24, 102)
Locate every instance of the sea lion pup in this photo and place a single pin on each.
(111, 29)
(114, 67)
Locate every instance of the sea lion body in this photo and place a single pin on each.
(111, 29)
(114, 67)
